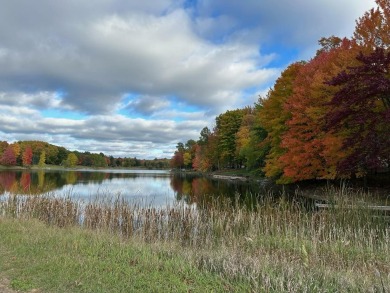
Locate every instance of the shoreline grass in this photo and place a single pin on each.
(52, 259)
(275, 246)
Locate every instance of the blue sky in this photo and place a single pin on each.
(133, 78)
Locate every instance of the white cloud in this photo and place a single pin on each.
(39, 100)
(147, 105)
(99, 59)
(102, 133)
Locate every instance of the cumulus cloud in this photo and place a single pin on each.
(98, 59)
(147, 105)
(111, 134)
(39, 100)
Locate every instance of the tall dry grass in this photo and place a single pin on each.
(276, 245)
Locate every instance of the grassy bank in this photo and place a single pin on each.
(34, 256)
(275, 246)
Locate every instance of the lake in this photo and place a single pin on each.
(150, 187)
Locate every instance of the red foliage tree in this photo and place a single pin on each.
(363, 105)
(8, 158)
(177, 160)
(196, 162)
(27, 156)
(311, 151)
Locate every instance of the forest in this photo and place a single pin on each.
(29, 153)
(325, 118)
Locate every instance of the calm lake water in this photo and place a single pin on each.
(151, 187)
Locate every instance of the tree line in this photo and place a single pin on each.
(325, 118)
(40, 153)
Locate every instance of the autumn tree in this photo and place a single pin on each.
(187, 159)
(210, 154)
(250, 146)
(311, 151)
(189, 155)
(328, 44)
(16, 148)
(184, 154)
(273, 116)
(42, 159)
(310, 124)
(27, 156)
(71, 160)
(362, 104)
(8, 158)
(52, 152)
(205, 158)
(3, 147)
(17, 151)
(177, 161)
(197, 161)
(243, 132)
(373, 28)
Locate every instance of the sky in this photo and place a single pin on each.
(133, 78)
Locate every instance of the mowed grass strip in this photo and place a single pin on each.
(34, 256)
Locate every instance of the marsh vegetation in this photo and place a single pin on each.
(273, 245)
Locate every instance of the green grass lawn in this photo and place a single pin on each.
(35, 256)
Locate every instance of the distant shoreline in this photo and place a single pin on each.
(58, 167)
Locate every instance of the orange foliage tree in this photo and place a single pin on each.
(273, 117)
(27, 156)
(373, 28)
(311, 151)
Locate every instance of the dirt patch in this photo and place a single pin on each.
(5, 286)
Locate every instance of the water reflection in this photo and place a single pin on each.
(200, 189)
(153, 187)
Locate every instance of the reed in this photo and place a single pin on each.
(275, 244)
